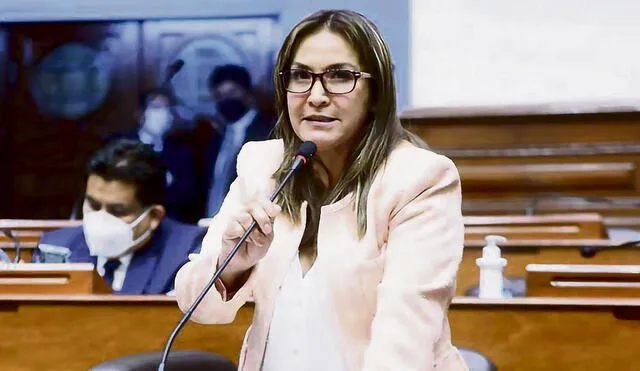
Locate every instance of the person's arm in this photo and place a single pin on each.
(256, 163)
(220, 305)
(424, 249)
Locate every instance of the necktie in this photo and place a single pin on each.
(109, 268)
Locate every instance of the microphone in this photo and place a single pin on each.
(590, 251)
(48, 253)
(4, 257)
(16, 244)
(303, 156)
(172, 70)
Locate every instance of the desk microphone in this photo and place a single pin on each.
(16, 244)
(172, 70)
(590, 251)
(4, 257)
(304, 155)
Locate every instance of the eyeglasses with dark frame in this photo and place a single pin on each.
(338, 81)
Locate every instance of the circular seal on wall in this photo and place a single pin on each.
(71, 81)
(202, 55)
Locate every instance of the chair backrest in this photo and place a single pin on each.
(476, 361)
(183, 360)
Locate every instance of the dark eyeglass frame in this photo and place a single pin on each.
(320, 76)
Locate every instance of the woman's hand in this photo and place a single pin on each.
(255, 246)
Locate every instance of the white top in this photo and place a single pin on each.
(119, 274)
(154, 140)
(304, 332)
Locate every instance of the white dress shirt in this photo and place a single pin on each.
(157, 142)
(119, 274)
(234, 135)
(304, 332)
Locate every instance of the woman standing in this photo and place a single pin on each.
(354, 265)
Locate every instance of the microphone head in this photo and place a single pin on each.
(173, 68)
(177, 65)
(307, 150)
(588, 251)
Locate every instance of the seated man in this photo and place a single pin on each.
(125, 232)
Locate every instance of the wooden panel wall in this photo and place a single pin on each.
(507, 156)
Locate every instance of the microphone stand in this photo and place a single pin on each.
(4, 257)
(300, 160)
(16, 243)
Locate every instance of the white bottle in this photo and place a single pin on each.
(491, 266)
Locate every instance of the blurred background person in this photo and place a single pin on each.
(231, 89)
(160, 126)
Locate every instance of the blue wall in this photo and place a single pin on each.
(393, 20)
(392, 17)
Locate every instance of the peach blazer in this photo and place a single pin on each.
(390, 290)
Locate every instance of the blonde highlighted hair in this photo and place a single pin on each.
(381, 133)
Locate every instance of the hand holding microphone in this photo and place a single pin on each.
(242, 237)
(256, 245)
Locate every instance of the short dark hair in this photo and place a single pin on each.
(132, 162)
(229, 72)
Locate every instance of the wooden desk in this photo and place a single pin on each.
(52, 279)
(550, 333)
(30, 230)
(523, 252)
(621, 213)
(39, 332)
(518, 151)
(613, 207)
(583, 280)
(74, 332)
(22, 236)
(26, 249)
(28, 233)
(37, 225)
(537, 227)
(518, 252)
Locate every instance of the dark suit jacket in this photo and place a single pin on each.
(259, 129)
(153, 268)
(183, 200)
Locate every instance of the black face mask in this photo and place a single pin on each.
(231, 108)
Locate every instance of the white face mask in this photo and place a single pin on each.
(110, 236)
(157, 121)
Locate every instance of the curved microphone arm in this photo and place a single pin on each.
(16, 243)
(591, 251)
(212, 281)
(305, 153)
